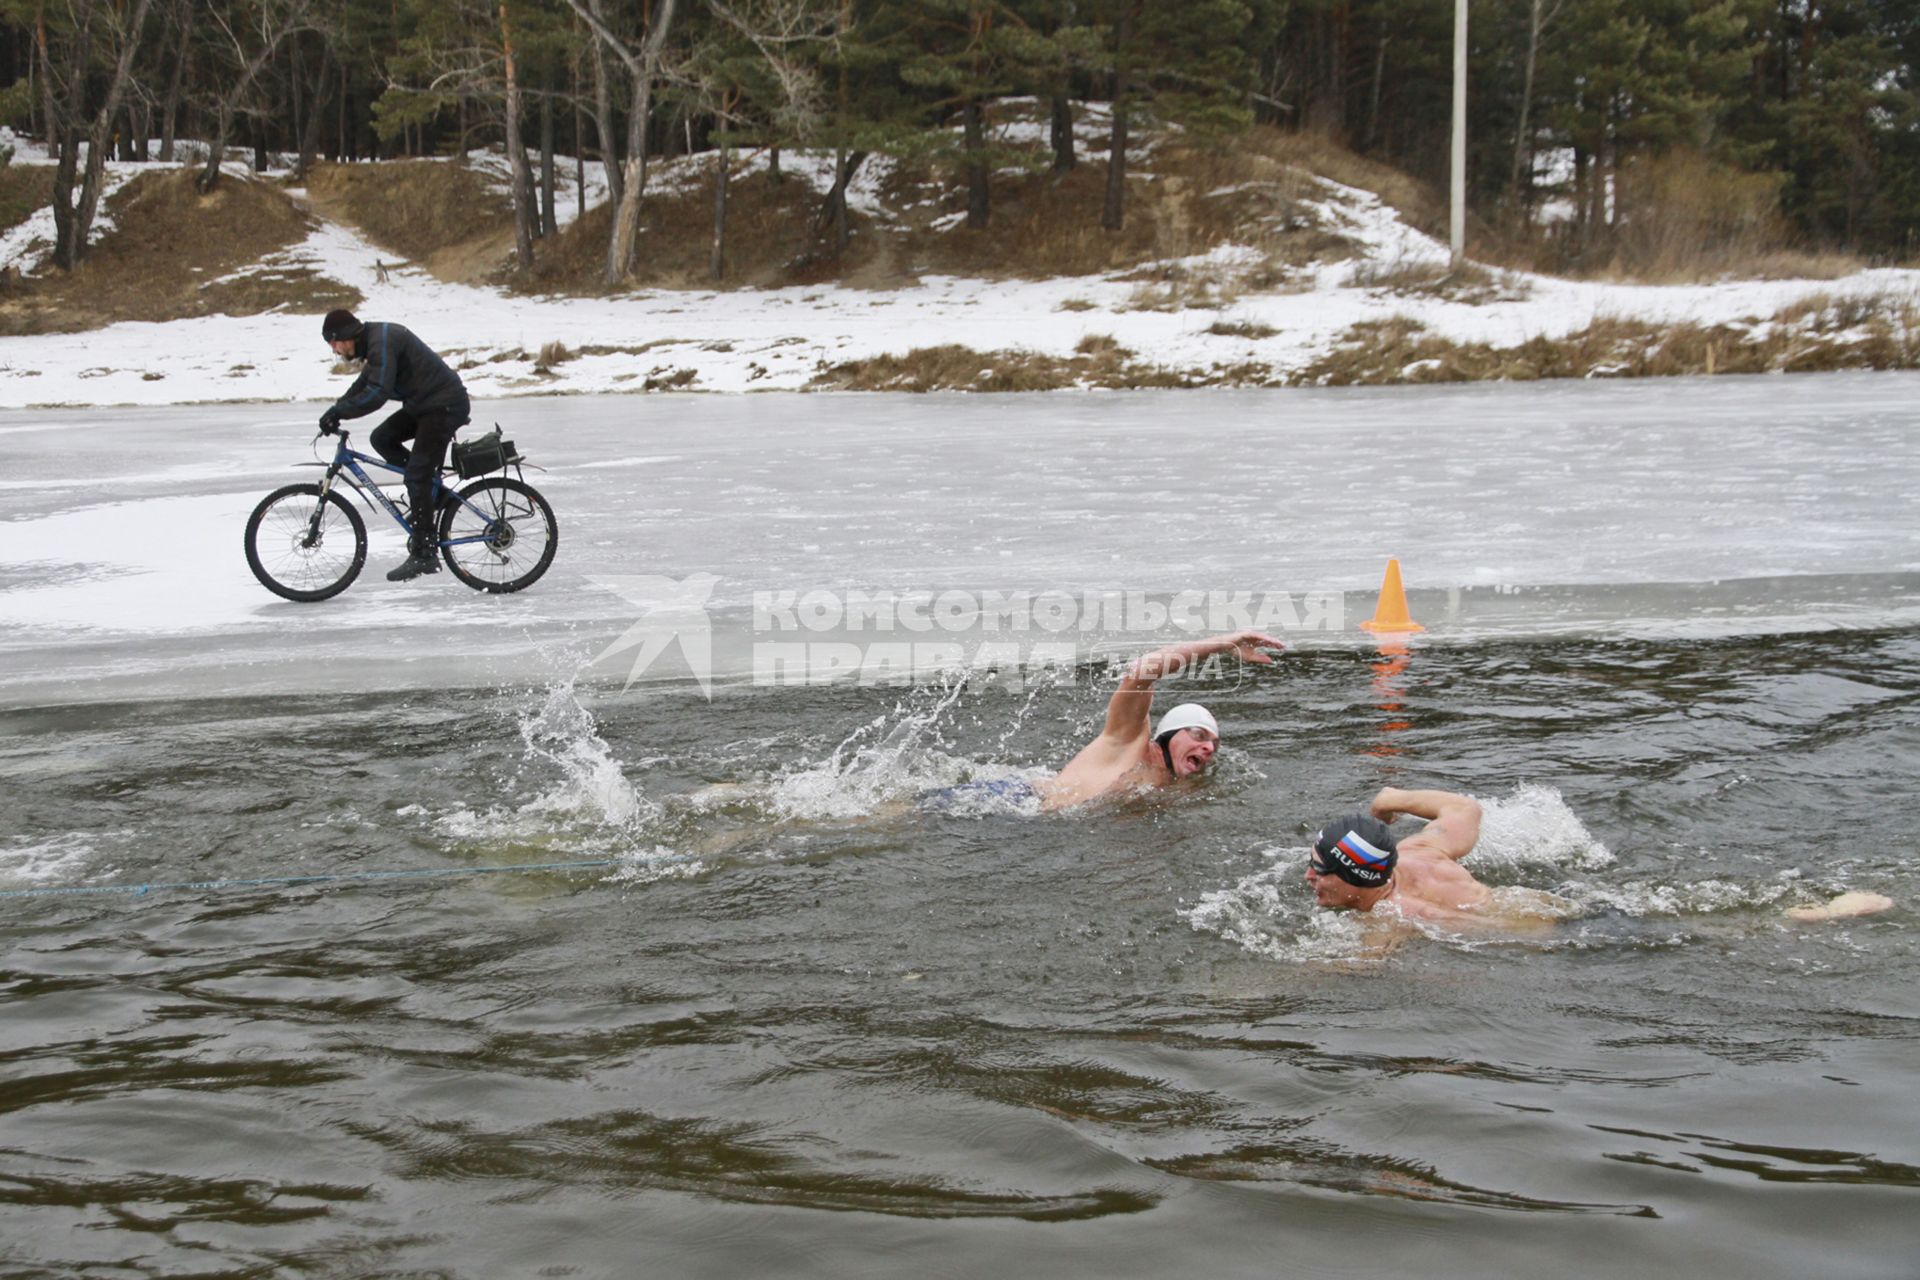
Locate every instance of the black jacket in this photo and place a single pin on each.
(401, 367)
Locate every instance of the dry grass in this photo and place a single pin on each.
(1241, 329)
(1793, 264)
(441, 216)
(1099, 361)
(1686, 218)
(23, 189)
(1399, 350)
(1469, 282)
(1419, 204)
(1101, 344)
(166, 240)
(1837, 313)
(550, 355)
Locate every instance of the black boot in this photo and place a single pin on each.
(423, 556)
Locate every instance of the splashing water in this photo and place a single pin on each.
(62, 859)
(592, 808)
(891, 759)
(1268, 914)
(1533, 827)
(564, 733)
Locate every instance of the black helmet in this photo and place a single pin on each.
(340, 323)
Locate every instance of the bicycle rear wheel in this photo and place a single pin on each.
(304, 547)
(499, 536)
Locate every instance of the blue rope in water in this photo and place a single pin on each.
(419, 873)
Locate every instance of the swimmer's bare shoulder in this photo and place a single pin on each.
(1841, 907)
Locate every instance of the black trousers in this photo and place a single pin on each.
(431, 432)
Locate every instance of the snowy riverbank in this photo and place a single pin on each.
(783, 339)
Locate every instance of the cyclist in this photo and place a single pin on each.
(433, 405)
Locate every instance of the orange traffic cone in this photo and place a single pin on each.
(1390, 611)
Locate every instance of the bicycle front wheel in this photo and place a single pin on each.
(499, 535)
(303, 546)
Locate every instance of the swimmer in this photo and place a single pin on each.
(1132, 753)
(1356, 864)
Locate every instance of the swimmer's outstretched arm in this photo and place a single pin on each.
(1453, 820)
(1130, 710)
(1852, 903)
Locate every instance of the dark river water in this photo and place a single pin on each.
(795, 1029)
(459, 956)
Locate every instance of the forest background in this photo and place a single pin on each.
(1605, 135)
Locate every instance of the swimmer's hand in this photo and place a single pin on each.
(1847, 904)
(1252, 646)
(1248, 646)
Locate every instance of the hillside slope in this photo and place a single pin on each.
(1253, 269)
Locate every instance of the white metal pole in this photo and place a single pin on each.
(1458, 222)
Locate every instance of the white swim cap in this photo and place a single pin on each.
(1188, 715)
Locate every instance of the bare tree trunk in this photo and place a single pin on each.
(833, 211)
(316, 114)
(136, 17)
(722, 174)
(36, 111)
(216, 148)
(64, 138)
(294, 96)
(548, 222)
(1064, 158)
(1373, 96)
(626, 219)
(579, 159)
(1522, 133)
(773, 166)
(641, 68)
(170, 112)
(603, 118)
(517, 155)
(979, 193)
(1113, 214)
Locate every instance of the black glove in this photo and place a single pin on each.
(329, 423)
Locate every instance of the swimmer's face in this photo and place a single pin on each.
(1192, 750)
(1329, 890)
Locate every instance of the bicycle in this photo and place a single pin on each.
(306, 542)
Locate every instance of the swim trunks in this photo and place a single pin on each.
(997, 795)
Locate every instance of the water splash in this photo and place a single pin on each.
(61, 860)
(593, 784)
(1533, 827)
(1270, 915)
(591, 807)
(892, 759)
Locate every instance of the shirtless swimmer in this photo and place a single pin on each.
(1356, 863)
(1132, 753)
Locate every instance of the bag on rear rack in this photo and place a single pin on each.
(488, 453)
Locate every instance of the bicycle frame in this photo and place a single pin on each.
(346, 466)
